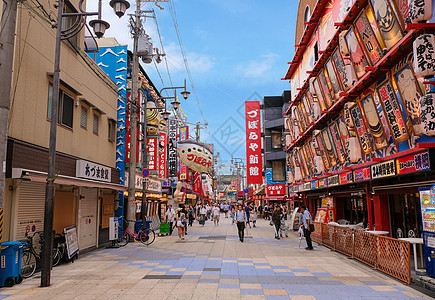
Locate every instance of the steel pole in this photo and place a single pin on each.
(144, 162)
(131, 206)
(7, 39)
(50, 189)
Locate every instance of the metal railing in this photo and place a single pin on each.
(391, 256)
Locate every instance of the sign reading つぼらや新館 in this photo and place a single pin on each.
(253, 143)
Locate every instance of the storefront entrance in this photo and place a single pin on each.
(405, 215)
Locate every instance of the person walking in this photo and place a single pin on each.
(241, 219)
(283, 227)
(208, 207)
(191, 215)
(276, 219)
(180, 218)
(306, 222)
(202, 214)
(226, 209)
(170, 216)
(215, 213)
(185, 219)
(248, 213)
(266, 212)
(233, 213)
(260, 210)
(254, 217)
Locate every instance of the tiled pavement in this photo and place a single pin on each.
(212, 264)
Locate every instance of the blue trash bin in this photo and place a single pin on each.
(10, 263)
(138, 225)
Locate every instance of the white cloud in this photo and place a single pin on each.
(198, 62)
(258, 68)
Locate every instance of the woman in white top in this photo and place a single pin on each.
(202, 212)
(180, 218)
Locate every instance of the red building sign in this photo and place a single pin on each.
(253, 143)
(152, 148)
(162, 156)
(275, 190)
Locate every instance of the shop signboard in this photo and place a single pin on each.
(275, 190)
(253, 142)
(152, 185)
(295, 189)
(427, 203)
(346, 177)
(90, 170)
(301, 187)
(361, 174)
(413, 163)
(152, 148)
(307, 186)
(71, 240)
(333, 180)
(162, 156)
(383, 169)
(323, 183)
(314, 184)
(172, 148)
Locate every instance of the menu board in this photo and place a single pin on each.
(427, 204)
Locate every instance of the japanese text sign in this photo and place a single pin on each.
(413, 163)
(253, 142)
(162, 156)
(172, 148)
(383, 169)
(89, 170)
(152, 149)
(276, 190)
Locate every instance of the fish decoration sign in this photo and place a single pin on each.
(195, 155)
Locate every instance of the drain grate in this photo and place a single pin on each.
(211, 269)
(162, 277)
(213, 237)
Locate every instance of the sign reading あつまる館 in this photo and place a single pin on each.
(413, 163)
(90, 170)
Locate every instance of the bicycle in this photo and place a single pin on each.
(146, 236)
(31, 259)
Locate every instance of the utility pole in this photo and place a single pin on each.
(7, 37)
(131, 206)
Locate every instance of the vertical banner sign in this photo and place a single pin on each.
(152, 148)
(253, 143)
(172, 148)
(184, 135)
(162, 156)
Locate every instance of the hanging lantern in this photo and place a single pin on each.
(344, 50)
(286, 124)
(296, 131)
(318, 165)
(288, 140)
(427, 112)
(354, 150)
(424, 55)
(298, 175)
(290, 178)
(419, 10)
(315, 110)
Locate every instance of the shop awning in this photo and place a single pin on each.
(38, 176)
(276, 198)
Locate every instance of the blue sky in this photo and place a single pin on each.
(237, 50)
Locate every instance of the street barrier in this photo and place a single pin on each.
(391, 256)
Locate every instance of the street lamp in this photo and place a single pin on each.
(99, 27)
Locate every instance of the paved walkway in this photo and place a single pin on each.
(212, 264)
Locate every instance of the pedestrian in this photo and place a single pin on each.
(260, 210)
(198, 210)
(185, 219)
(180, 217)
(233, 213)
(202, 215)
(170, 216)
(276, 219)
(208, 207)
(254, 217)
(306, 222)
(191, 215)
(266, 212)
(226, 209)
(215, 213)
(241, 219)
(283, 227)
(248, 212)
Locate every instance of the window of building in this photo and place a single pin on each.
(68, 22)
(96, 120)
(65, 107)
(276, 140)
(278, 170)
(84, 118)
(307, 16)
(112, 130)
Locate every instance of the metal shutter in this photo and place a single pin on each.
(30, 208)
(88, 218)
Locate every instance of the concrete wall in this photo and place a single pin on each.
(34, 58)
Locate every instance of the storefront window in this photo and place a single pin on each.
(405, 215)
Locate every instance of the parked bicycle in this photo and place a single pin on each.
(31, 259)
(145, 235)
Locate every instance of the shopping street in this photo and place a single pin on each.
(211, 263)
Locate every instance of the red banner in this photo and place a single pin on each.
(184, 134)
(162, 156)
(253, 143)
(152, 148)
(275, 190)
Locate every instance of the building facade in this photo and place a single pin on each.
(87, 181)
(358, 147)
